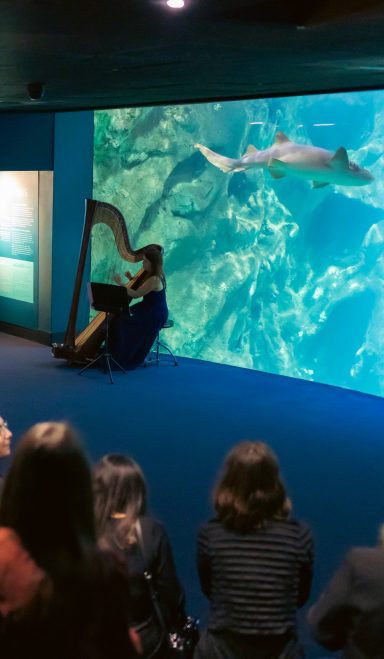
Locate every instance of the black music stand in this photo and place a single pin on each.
(112, 300)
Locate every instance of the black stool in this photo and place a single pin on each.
(154, 359)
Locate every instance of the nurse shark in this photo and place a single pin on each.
(287, 158)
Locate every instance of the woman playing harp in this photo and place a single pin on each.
(134, 330)
(110, 247)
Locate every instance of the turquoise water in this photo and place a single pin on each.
(263, 273)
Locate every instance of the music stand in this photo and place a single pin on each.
(112, 300)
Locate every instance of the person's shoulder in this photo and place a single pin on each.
(299, 525)
(106, 569)
(151, 526)
(365, 555)
(294, 529)
(295, 525)
(211, 528)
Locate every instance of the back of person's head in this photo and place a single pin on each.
(47, 496)
(81, 607)
(120, 493)
(250, 490)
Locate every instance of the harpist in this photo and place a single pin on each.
(133, 332)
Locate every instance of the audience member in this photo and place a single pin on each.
(5, 444)
(141, 541)
(60, 595)
(254, 562)
(5, 438)
(349, 615)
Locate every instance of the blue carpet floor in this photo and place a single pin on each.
(178, 423)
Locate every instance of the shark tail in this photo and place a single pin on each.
(223, 163)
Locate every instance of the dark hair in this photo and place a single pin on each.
(48, 500)
(250, 490)
(155, 258)
(47, 497)
(119, 490)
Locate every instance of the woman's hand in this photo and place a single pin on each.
(117, 279)
(128, 275)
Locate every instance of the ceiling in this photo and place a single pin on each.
(139, 52)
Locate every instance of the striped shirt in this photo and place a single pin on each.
(255, 581)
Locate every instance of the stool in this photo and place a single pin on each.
(155, 358)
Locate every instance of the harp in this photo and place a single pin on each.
(84, 345)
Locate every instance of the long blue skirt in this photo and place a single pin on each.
(133, 332)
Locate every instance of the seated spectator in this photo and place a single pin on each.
(142, 543)
(5, 444)
(254, 562)
(5, 438)
(349, 615)
(60, 596)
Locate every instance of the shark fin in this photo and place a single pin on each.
(281, 137)
(319, 184)
(276, 174)
(276, 168)
(339, 159)
(251, 149)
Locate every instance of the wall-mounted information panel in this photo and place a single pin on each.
(24, 213)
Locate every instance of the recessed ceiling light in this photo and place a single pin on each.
(175, 4)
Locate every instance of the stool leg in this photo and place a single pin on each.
(157, 349)
(156, 359)
(163, 345)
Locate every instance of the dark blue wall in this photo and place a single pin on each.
(26, 141)
(64, 143)
(73, 172)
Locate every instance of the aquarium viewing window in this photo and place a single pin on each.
(270, 214)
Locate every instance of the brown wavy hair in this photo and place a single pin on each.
(250, 491)
(155, 258)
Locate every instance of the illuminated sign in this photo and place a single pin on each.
(18, 234)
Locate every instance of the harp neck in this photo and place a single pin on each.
(98, 212)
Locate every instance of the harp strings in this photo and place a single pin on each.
(108, 249)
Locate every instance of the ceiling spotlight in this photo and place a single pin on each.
(175, 4)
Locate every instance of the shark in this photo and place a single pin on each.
(288, 158)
